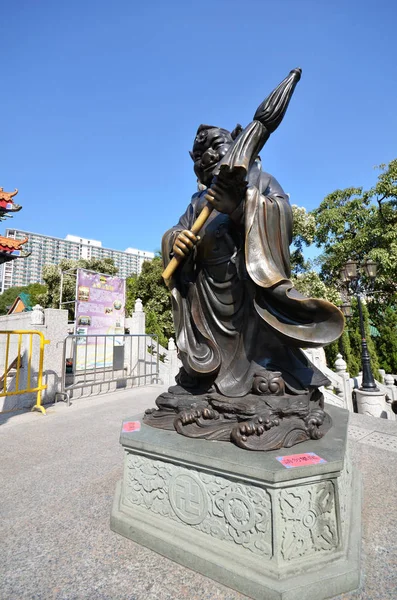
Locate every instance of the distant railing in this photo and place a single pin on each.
(97, 361)
(18, 348)
(340, 392)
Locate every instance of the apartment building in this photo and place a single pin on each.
(51, 250)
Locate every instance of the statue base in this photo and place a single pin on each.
(282, 525)
(260, 421)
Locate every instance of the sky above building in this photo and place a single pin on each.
(101, 102)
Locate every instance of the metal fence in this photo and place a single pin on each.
(103, 363)
(22, 358)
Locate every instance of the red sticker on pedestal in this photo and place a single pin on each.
(300, 460)
(129, 426)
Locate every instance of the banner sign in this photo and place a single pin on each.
(100, 309)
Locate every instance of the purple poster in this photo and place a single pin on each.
(100, 307)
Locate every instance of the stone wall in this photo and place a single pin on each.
(53, 323)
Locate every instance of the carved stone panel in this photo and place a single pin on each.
(224, 509)
(309, 520)
(188, 498)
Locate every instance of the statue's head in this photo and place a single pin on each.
(209, 147)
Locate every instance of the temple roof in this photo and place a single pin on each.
(9, 244)
(22, 303)
(7, 256)
(10, 249)
(7, 195)
(7, 203)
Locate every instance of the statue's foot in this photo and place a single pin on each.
(204, 422)
(169, 407)
(257, 427)
(193, 416)
(253, 435)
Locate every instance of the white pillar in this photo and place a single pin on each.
(138, 321)
(340, 364)
(37, 315)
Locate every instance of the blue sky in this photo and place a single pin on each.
(101, 101)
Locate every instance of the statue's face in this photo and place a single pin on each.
(210, 146)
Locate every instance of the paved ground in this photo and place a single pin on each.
(57, 480)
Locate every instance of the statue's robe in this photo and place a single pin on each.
(235, 309)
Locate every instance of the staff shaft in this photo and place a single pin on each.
(197, 225)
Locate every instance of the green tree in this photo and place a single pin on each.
(36, 292)
(353, 360)
(343, 346)
(8, 297)
(131, 293)
(149, 286)
(305, 278)
(304, 229)
(386, 341)
(360, 224)
(310, 284)
(353, 328)
(52, 278)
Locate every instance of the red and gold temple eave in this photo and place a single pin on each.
(7, 195)
(10, 248)
(10, 245)
(7, 203)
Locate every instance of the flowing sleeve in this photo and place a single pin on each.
(268, 234)
(298, 320)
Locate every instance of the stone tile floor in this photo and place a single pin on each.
(57, 480)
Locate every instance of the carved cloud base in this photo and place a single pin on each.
(244, 519)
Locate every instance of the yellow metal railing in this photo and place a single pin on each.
(17, 364)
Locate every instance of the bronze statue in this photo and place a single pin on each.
(240, 324)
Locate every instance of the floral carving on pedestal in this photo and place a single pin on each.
(145, 484)
(309, 520)
(247, 512)
(226, 510)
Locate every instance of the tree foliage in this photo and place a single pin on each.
(310, 284)
(36, 292)
(149, 286)
(354, 333)
(304, 229)
(360, 224)
(305, 278)
(386, 341)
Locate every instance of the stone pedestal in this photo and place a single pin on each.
(243, 518)
(372, 404)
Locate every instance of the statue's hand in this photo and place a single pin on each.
(225, 196)
(184, 243)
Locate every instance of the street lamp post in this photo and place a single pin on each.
(352, 278)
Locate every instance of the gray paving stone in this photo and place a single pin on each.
(57, 479)
(382, 440)
(356, 433)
